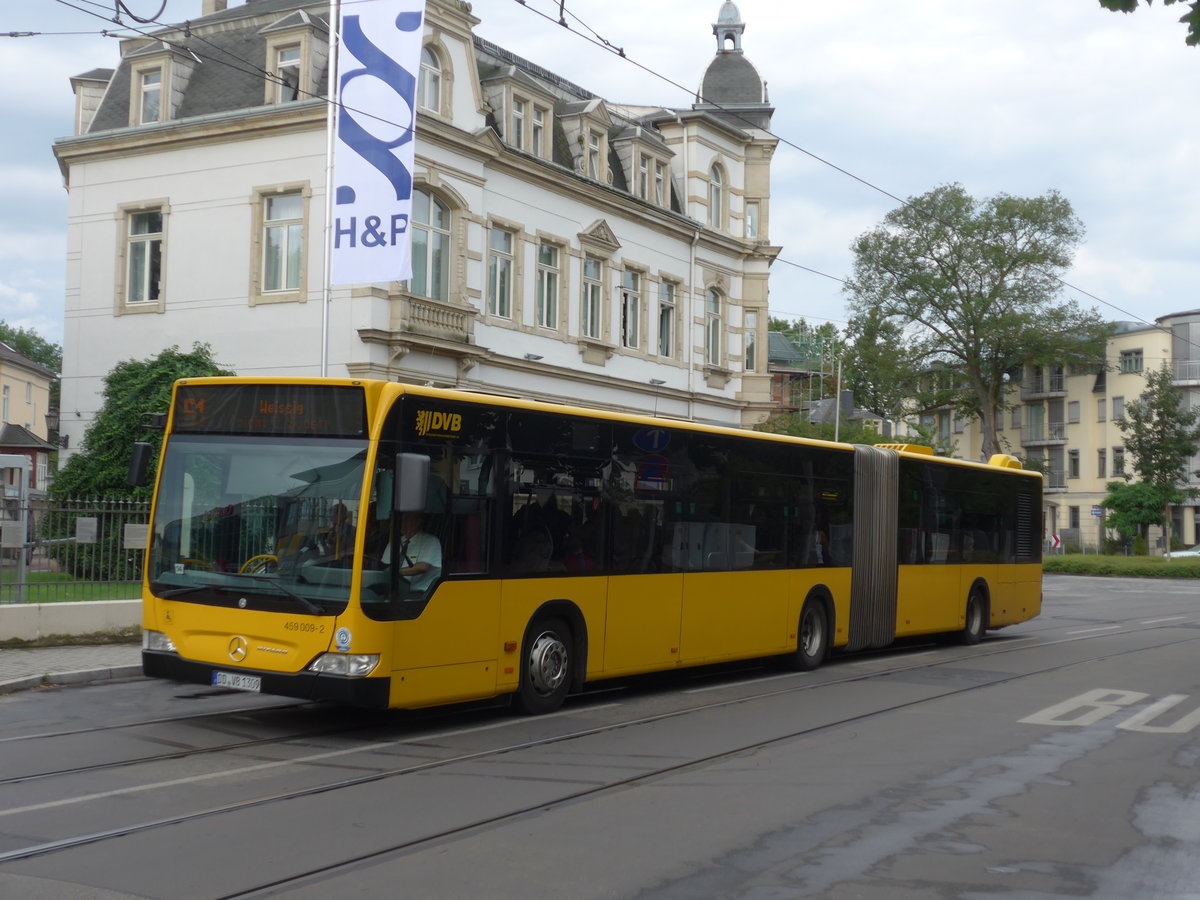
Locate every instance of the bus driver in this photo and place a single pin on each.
(419, 555)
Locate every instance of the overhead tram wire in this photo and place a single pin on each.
(604, 44)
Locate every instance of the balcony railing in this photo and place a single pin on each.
(1041, 385)
(1055, 432)
(1187, 370)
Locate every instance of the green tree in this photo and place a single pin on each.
(797, 425)
(1161, 435)
(1132, 508)
(878, 368)
(1191, 18)
(968, 289)
(101, 465)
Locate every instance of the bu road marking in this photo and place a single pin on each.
(1094, 630)
(1093, 706)
(1160, 621)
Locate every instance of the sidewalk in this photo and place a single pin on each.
(27, 668)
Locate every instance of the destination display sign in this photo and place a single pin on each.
(300, 410)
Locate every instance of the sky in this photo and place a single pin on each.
(874, 100)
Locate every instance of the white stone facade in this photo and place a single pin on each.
(670, 213)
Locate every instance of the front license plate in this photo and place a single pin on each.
(236, 681)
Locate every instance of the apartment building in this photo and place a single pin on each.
(1063, 420)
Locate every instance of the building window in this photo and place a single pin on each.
(1072, 463)
(429, 85)
(716, 206)
(430, 246)
(631, 309)
(516, 135)
(712, 328)
(751, 221)
(4, 394)
(1073, 517)
(1131, 361)
(1118, 408)
(1073, 412)
(644, 169)
(666, 318)
(538, 132)
(595, 152)
(660, 185)
(751, 332)
(283, 242)
(1101, 410)
(1118, 459)
(150, 101)
(547, 286)
(144, 254)
(1101, 464)
(593, 291)
(1015, 417)
(500, 273)
(287, 73)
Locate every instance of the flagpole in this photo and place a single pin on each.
(335, 23)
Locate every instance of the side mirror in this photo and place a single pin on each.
(412, 482)
(139, 463)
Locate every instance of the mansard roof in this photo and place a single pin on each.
(229, 75)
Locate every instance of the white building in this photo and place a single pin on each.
(566, 247)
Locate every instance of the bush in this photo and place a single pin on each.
(1122, 566)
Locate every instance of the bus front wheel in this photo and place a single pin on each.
(812, 637)
(545, 667)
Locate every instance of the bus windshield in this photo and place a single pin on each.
(257, 522)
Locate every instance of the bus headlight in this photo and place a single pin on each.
(354, 664)
(156, 640)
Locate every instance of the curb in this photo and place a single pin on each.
(80, 676)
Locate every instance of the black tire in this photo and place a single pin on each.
(546, 661)
(976, 618)
(812, 636)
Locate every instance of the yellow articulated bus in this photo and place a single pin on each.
(386, 545)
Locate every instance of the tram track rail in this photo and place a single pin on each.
(807, 683)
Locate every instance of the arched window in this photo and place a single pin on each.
(429, 86)
(716, 197)
(430, 246)
(712, 327)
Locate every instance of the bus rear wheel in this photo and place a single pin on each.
(545, 667)
(976, 618)
(812, 637)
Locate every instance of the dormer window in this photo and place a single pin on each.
(158, 79)
(538, 132)
(297, 51)
(429, 85)
(287, 73)
(595, 155)
(516, 134)
(149, 96)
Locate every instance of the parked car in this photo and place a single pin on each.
(1190, 552)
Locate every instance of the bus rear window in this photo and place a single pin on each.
(300, 410)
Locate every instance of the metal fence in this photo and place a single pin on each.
(72, 549)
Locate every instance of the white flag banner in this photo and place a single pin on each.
(379, 61)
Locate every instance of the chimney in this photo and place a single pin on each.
(208, 7)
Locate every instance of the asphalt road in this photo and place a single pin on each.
(1057, 758)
